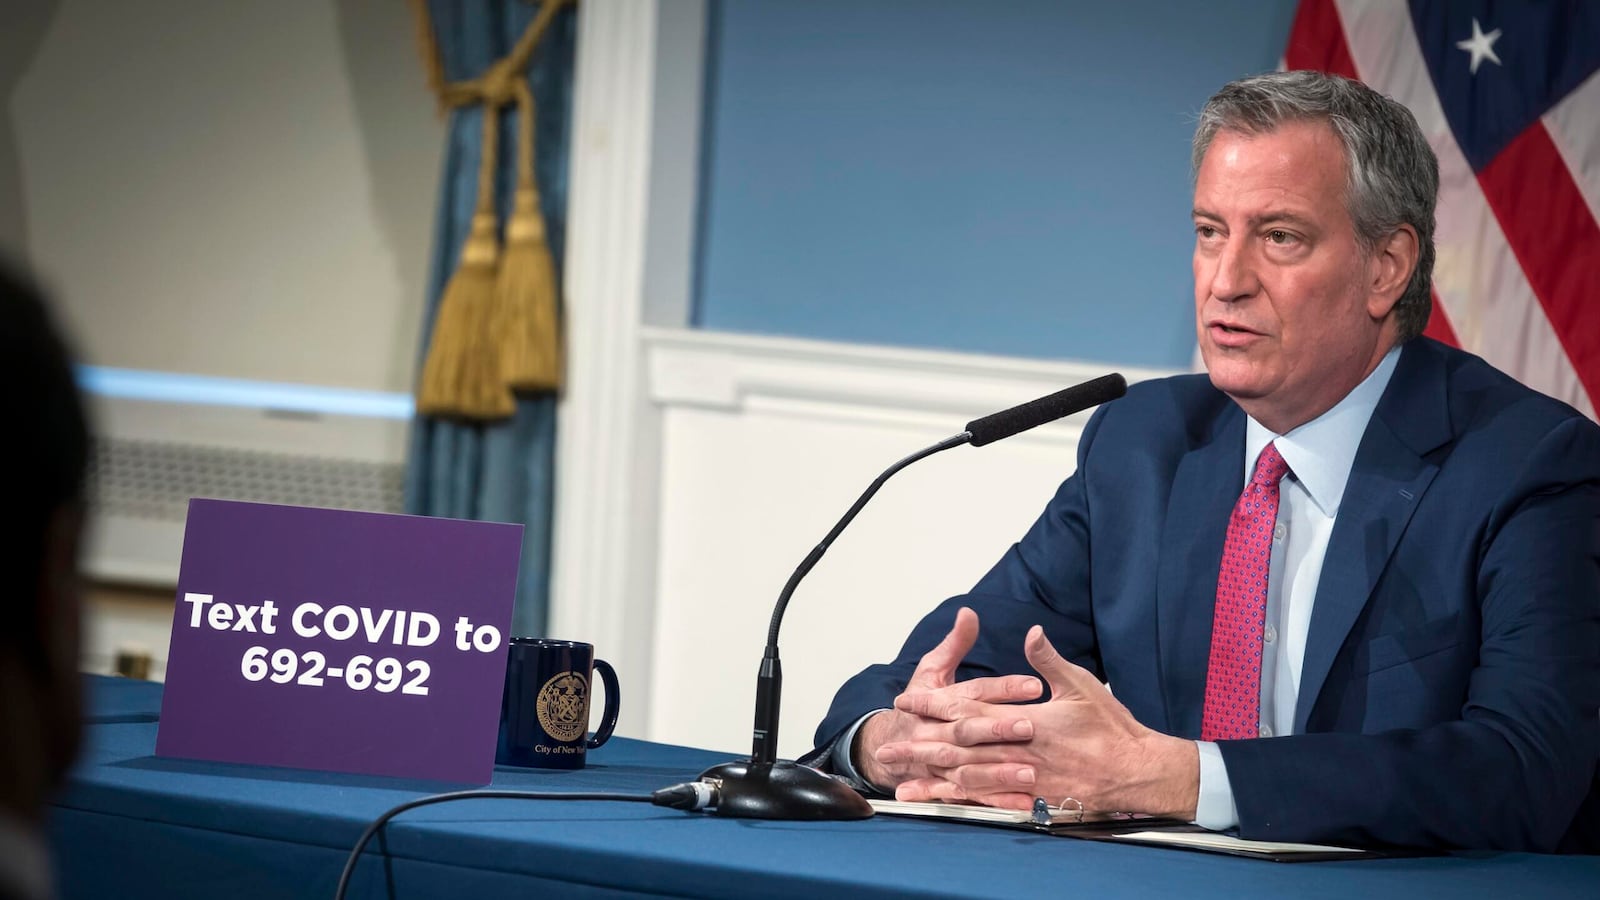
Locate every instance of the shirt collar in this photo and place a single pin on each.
(1321, 452)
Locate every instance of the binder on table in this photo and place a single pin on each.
(1076, 822)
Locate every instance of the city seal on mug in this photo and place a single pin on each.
(563, 706)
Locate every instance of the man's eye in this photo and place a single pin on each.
(1280, 237)
(1205, 231)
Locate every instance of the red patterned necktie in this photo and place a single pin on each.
(1233, 678)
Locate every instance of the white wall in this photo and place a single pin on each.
(241, 189)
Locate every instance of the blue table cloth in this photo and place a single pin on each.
(133, 825)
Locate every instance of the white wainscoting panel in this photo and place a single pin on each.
(765, 443)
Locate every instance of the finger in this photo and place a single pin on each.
(928, 790)
(937, 668)
(939, 704)
(928, 754)
(968, 698)
(1066, 680)
(934, 789)
(1004, 801)
(1000, 689)
(990, 730)
(993, 778)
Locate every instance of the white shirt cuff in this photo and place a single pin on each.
(1215, 810)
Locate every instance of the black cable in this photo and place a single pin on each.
(690, 795)
(661, 798)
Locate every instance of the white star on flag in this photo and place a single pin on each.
(1481, 46)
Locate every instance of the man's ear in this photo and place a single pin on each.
(1389, 269)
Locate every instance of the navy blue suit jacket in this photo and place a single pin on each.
(1450, 693)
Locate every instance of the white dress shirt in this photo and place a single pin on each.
(1320, 454)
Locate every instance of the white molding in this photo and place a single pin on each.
(674, 162)
(822, 379)
(603, 555)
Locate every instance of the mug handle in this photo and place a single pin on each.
(608, 721)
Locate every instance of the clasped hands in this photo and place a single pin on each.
(979, 741)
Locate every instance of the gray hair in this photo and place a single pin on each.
(1393, 176)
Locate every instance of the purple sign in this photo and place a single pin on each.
(336, 640)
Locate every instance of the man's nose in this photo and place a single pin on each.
(1234, 277)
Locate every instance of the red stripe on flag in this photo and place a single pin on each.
(1439, 325)
(1555, 239)
(1317, 41)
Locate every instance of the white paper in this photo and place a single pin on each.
(1213, 841)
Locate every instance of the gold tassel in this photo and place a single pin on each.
(470, 357)
(525, 293)
(461, 377)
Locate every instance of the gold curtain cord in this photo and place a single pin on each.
(497, 327)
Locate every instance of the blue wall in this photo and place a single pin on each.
(1007, 177)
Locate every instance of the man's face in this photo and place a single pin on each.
(1291, 313)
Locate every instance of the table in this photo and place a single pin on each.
(132, 825)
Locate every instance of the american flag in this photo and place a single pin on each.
(1508, 95)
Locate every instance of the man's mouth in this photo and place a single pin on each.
(1232, 335)
(1233, 328)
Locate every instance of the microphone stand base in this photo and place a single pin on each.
(783, 790)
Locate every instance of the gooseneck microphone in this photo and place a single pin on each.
(764, 787)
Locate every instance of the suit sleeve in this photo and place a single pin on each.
(1513, 770)
(1042, 579)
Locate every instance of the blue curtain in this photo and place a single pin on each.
(501, 471)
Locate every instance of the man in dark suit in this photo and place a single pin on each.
(43, 454)
(1344, 589)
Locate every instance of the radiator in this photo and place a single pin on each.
(151, 457)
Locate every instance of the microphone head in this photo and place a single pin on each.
(1063, 403)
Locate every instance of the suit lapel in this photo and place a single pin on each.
(1204, 489)
(1387, 481)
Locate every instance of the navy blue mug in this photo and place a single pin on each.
(544, 713)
